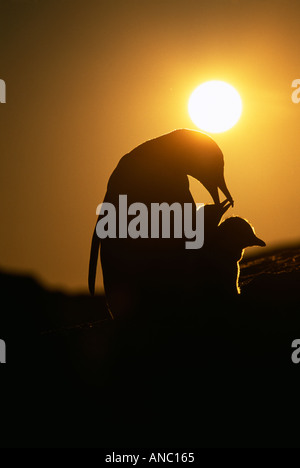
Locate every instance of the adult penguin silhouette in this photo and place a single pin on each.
(154, 172)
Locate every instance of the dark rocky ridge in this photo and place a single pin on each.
(74, 377)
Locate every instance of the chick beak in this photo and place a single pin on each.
(259, 242)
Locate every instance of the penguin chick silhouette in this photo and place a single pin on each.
(156, 172)
(232, 237)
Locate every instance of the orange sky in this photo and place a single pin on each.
(87, 81)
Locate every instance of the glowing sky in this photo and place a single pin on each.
(89, 80)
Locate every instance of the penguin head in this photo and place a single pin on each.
(235, 234)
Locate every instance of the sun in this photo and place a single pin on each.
(215, 106)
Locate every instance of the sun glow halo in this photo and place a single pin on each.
(215, 106)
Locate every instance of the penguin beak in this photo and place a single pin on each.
(256, 241)
(223, 187)
(259, 242)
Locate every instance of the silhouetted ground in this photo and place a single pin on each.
(215, 377)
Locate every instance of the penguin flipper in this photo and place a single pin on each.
(95, 247)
